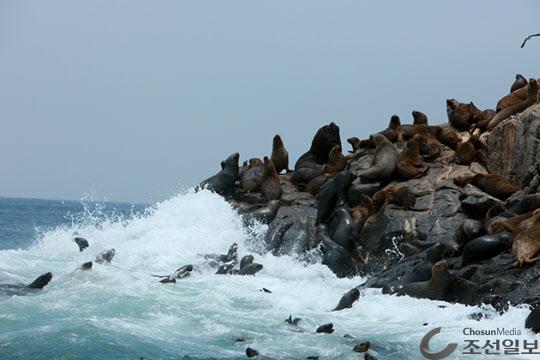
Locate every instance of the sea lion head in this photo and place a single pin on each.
(277, 142)
(440, 267)
(231, 164)
(354, 141)
(395, 122)
(41, 281)
(533, 87)
(86, 266)
(419, 118)
(269, 168)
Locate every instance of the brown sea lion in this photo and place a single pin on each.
(409, 163)
(448, 137)
(361, 212)
(280, 155)
(389, 132)
(419, 118)
(518, 83)
(401, 196)
(407, 132)
(384, 163)
(513, 98)
(253, 178)
(315, 185)
(430, 147)
(500, 224)
(532, 97)
(245, 167)
(271, 186)
(434, 289)
(336, 159)
(465, 153)
(494, 185)
(355, 143)
(461, 116)
(526, 245)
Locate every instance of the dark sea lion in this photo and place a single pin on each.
(532, 97)
(245, 167)
(355, 143)
(409, 163)
(461, 116)
(325, 328)
(485, 247)
(306, 174)
(231, 256)
(81, 242)
(434, 289)
(19, 289)
(368, 356)
(105, 256)
(253, 178)
(419, 118)
(448, 137)
(324, 140)
(251, 269)
(533, 320)
(526, 245)
(246, 260)
(336, 189)
(401, 196)
(265, 214)
(271, 186)
(527, 204)
(280, 155)
(292, 321)
(342, 227)
(348, 299)
(494, 185)
(384, 163)
(223, 183)
(518, 83)
(336, 257)
(86, 266)
(361, 347)
(251, 352)
(316, 184)
(225, 269)
(465, 153)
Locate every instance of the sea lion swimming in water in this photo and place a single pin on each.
(81, 242)
(231, 256)
(19, 289)
(348, 299)
(179, 273)
(250, 269)
(105, 256)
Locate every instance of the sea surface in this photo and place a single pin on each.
(120, 311)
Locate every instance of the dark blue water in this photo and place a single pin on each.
(23, 220)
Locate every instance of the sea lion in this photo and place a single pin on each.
(323, 141)
(502, 223)
(292, 321)
(472, 228)
(401, 196)
(355, 143)
(465, 153)
(361, 347)
(246, 260)
(342, 228)
(337, 258)
(368, 356)
(243, 169)
(250, 269)
(265, 214)
(251, 352)
(532, 97)
(271, 186)
(485, 247)
(325, 328)
(419, 118)
(280, 155)
(223, 183)
(82, 243)
(253, 178)
(513, 98)
(434, 289)
(527, 204)
(348, 299)
(430, 147)
(494, 185)
(526, 245)
(389, 133)
(384, 163)
(336, 159)
(180, 273)
(360, 213)
(409, 163)
(316, 184)
(105, 256)
(87, 266)
(336, 189)
(448, 137)
(304, 175)
(518, 83)
(19, 289)
(533, 320)
(461, 116)
(231, 256)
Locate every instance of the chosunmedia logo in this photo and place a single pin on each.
(431, 355)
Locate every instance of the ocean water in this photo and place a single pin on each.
(119, 311)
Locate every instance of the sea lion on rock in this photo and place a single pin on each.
(250, 269)
(253, 178)
(323, 141)
(494, 185)
(513, 98)
(348, 299)
(105, 256)
(316, 184)
(336, 159)
(532, 97)
(533, 320)
(265, 214)
(485, 247)
(390, 133)
(402, 196)
(342, 228)
(336, 189)
(304, 175)
(246, 260)
(461, 116)
(82, 243)
(518, 83)
(223, 183)
(465, 153)
(336, 257)
(409, 163)
(280, 155)
(19, 289)
(434, 289)
(271, 186)
(527, 204)
(419, 118)
(526, 245)
(360, 213)
(384, 163)
(430, 147)
(448, 137)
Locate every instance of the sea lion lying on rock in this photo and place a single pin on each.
(434, 289)
(494, 185)
(462, 116)
(485, 247)
(532, 97)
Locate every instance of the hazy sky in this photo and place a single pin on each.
(134, 100)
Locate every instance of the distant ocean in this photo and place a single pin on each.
(120, 311)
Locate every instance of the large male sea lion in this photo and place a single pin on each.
(323, 141)
(223, 182)
(271, 186)
(494, 185)
(19, 289)
(532, 97)
(384, 163)
(280, 155)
